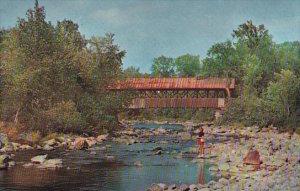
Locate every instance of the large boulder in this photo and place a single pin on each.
(80, 143)
(252, 158)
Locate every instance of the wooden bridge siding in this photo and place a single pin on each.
(140, 103)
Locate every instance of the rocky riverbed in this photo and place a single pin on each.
(242, 158)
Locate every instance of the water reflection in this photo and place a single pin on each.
(201, 173)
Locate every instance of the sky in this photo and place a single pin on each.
(147, 29)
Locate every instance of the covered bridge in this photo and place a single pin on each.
(177, 92)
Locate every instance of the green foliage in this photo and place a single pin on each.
(187, 65)
(163, 67)
(55, 79)
(252, 58)
(281, 96)
(183, 66)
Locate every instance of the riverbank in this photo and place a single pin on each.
(263, 159)
(274, 158)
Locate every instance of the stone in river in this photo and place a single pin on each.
(155, 187)
(193, 187)
(25, 147)
(157, 152)
(80, 144)
(101, 138)
(186, 136)
(39, 159)
(163, 186)
(157, 148)
(184, 187)
(11, 163)
(91, 142)
(138, 163)
(50, 142)
(4, 161)
(47, 148)
(172, 187)
(52, 163)
(252, 158)
(108, 157)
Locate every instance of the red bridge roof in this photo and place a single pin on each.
(174, 83)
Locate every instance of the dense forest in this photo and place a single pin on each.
(52, 78)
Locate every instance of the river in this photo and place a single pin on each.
(85, 171)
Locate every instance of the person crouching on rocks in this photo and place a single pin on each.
(200, 140)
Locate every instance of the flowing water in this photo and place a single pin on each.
(84, 171)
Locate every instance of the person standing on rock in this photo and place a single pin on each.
(200, 140)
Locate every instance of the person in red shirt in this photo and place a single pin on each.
(200, 139)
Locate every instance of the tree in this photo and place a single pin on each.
(163, 67)
(54, 79)
(132, 72)
(187, 65)
(282, 96)
(250, 34)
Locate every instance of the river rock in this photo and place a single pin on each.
(91, 142)
(80, 144)
(213, 168)
(50, 142)
(61, 139)
(4, 161)
(252, 158)
(172, 187)
(25, 147)
(233, 169)
(184, 187)
(27, 165)
(51, 163)
(102, 138)
(186, 136)
(16, 146)
(155, 187)
(193, 187)
(157, 148)
(3, 140)
(163, 186)
(109, 157)
(39, 159)
(47, 148)
(158, 152)
(204, 189)
(138, 163)
(224, 167)
(11, 163)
